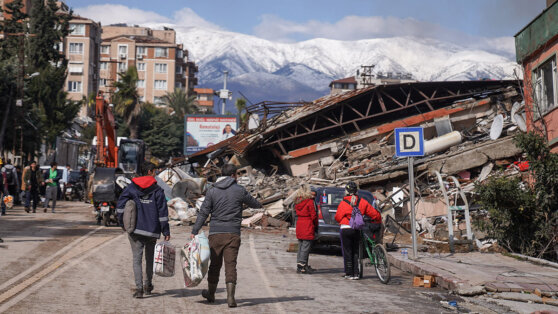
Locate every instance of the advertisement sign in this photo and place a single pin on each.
(202, 131)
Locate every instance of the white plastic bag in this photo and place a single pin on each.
(164, 259)
(195, 260)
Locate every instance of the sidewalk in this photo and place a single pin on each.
(477, 273)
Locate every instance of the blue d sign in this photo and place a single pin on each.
(409, 142)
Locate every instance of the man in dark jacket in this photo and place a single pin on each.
(32, 179)
(224, 202)
(12, 179)
(52, 178)
(152, 220)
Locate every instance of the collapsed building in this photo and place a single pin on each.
(468, 129)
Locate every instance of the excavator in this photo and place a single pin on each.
(117, 161)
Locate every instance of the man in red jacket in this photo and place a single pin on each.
(350, 238)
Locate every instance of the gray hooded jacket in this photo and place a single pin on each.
(224, 202)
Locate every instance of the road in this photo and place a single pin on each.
(64, 263)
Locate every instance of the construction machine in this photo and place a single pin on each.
(116, 162)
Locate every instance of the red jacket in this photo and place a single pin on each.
(345, 210)
(307, 219)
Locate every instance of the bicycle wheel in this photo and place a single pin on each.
(382, 263)
(361, 259)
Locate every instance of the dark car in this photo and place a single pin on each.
(326, 204)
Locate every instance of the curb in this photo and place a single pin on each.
(443, 280)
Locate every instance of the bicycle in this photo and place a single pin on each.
(377, 255)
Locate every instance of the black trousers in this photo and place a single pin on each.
(350, 240)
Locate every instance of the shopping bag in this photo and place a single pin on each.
(195, 260)
(9, 201)
(164, 258)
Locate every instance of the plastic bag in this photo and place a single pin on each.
(9, 201)
(195, 260)
(164, 259)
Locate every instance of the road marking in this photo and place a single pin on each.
(94, 246)
(47, 260)
(262, 274)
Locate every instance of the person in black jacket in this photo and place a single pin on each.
(224, 202)
(152, 220)
(52, 178)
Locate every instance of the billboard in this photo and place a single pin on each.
(202, 131)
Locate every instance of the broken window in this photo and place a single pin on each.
(545, 90)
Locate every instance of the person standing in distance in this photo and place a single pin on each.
(224, 202)
(52, 177)
(152, 220)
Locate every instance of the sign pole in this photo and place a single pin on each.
(412, 201)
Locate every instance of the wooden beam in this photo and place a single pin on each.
(353, 109)
(426, 98)
(393, 99)
(370, 103)
(356, 126)
(381, 100)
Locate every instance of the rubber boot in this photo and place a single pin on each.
(230, 294)
(209, 293)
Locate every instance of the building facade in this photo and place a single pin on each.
(81, 48)
(204, 99)
(536, 50)
(162, 64)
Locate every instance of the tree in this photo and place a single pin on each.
(164, 136)
(180, 103)
(523, 216)
(47, 29)
(240, 107)
(126, 100)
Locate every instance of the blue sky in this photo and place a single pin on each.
(473, 22)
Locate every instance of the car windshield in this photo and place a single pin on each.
(127, 160)
(74, 176)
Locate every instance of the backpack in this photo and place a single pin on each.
(10, 176)
(357, 220)
(130, 216)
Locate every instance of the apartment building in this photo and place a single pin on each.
(204, 99)
(162, 64)
(81, 48)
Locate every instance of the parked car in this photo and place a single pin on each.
(327, 200)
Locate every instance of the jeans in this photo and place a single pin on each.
(350, 241)
(51, 193)
(304, 247)
(138, 244)
(223, 246)
(32, 194)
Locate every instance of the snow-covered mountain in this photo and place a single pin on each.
(266, 70)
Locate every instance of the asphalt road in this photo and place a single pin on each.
(64, 263)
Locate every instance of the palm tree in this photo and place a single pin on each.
(126, 99)
(180, 102)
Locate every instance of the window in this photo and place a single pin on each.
(160, 84)
(141, 51)
(180, 53)
(545, 87)
(161, 52)
(179, 70)
(75, 68)
(74, 86)
(123, 50)
(103, 65)
(140, 83)
(141, 66)
(161, 67)
(105, 49)
(142, 99)
(178, 85)
(76, 48)
(77, 29)
(158, 100)
(102, 82)
(122, 66)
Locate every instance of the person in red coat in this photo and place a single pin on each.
(306, 223)
(350, 238)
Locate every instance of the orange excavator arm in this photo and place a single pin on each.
(107, 155)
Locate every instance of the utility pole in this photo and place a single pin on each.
(224, 93)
